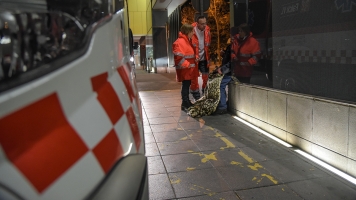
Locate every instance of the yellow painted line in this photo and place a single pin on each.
(218, 135)
(175, 180)
(237, 163)
(246, 157)
(204, 190)
(200, 187)
(184, 138)
(207, 157)
(270, 178)
(210, 194)
(227, 142)
(190, 168)
(255, 166)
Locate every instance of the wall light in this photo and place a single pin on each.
(327, 166)
(263, 132)
(306, 155)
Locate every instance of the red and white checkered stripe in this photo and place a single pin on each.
(51, 149)
(318, 56)
(59, 142)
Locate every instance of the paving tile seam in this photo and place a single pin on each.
(267, 186)
(175, 196)
(306, 179)
(206, 169)
(204, 195)
(263, 186)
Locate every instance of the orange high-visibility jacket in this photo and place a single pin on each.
(207, 41)
(244, 55)
(184, 58)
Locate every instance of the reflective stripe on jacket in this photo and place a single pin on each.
(184, 58)
(244, 55)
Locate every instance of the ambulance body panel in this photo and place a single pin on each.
(71, 132)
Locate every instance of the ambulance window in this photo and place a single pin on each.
(51, 35)
(119, 4)
(86, 11)
(131, 43)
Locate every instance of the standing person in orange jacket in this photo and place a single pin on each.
(201, 41)
(184, 61)
(245, 53)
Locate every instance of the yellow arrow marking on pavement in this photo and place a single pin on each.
(255, 166)
(187, 137)
(205, 191)
(227, 142)
(175, 180)
(184, 138)
(207, 157)
(236, 163)
(270, 178)
(246, 157)
(218, 135)
(190, 168)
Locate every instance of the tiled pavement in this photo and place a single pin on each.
(218, 157)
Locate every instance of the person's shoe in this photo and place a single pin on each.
(185, 105)
(220, 111)
(196, 95)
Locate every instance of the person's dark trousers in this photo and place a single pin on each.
(224, 82)
(185, 95)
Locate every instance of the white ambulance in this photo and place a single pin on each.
(70, 114)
